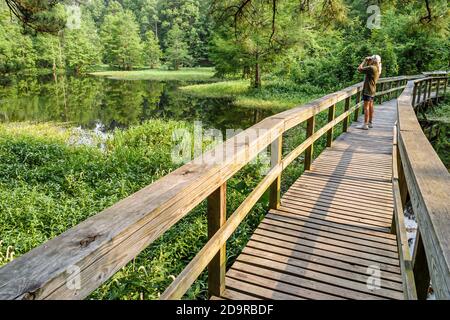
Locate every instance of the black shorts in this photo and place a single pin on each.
(367, 98)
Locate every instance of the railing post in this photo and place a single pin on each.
(399, 174)
(438, 81)
(380, 98)
(331, 115)
(310, 124)
(414, 95)
(425, 84)
(430, 87)
(393, 93)
(445, 86)
(358, 100)
(217, 215)
(398, 91)
(419, 91)
(275, 159)
(389, 95)
(347, 119)
(420, 268)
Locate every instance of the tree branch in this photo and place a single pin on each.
(429, 16)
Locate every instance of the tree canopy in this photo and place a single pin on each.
(314, 39)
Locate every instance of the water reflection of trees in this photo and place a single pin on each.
(116, 104)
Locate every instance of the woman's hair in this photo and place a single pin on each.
(377, 59)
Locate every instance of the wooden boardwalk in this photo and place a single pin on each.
(328, 238)
(332, 230)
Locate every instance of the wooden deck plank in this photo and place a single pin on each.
(278, 281)
(314, 214)
(335, 284)
(327, 245)
(332, 271)
(351, 205)
(313, 256)
(330, 233)
(332, 212)
(309, 224)
(339, 256)
(339, 195)
(332, 226)
(322, 237)
(365, 232)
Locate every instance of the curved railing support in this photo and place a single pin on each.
(426, 181)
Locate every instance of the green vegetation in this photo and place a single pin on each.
(83, 34)
(441, 112)
(48, 186)
(121, 41)
(177, 52)
(273, 95)
(185, 74)
(437, 128)
(153, 51)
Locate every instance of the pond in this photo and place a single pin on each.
(93, 102)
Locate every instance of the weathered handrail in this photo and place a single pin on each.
(420, 175)
(96, 248)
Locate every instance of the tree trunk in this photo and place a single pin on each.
(257, 81)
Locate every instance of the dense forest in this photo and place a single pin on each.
(321, 40)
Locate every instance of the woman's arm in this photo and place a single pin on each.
(361, 66)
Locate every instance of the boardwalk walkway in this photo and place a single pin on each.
(332, 231)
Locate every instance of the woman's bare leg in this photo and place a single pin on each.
(371, 111)
(366, 111)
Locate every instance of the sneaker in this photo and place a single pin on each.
(370, 125)
(364, 127)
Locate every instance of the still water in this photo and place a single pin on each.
(92, 102)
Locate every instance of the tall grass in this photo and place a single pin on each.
(274, 95)
(185, 74)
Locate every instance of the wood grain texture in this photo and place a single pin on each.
(324, 238)
(428, 183)
(217, 215)
(275, 159)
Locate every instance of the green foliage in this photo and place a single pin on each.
(177, 53)
(274, 95)
(48, 186)
(153, 51)
(251, 46)
(438, 120)
(185, 74)
(16, 49)
(192, 17)
(40, 15)
(81, 47)
(120, 37)
(48, 52)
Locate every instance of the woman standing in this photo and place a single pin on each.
(371, 67)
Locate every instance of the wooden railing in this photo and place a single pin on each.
(419, 175)
(94, 250)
